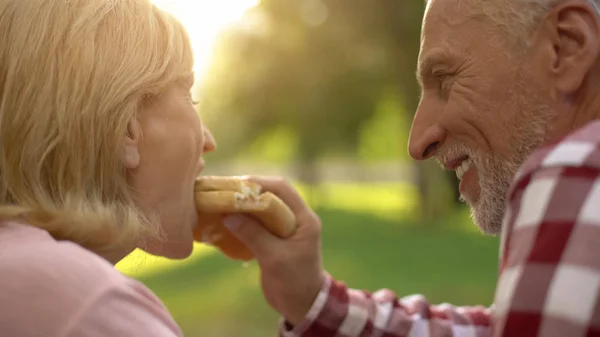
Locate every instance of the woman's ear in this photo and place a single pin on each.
(131, 150)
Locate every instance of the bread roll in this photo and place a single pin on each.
(217, 197)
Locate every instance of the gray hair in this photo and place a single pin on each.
(519, 18)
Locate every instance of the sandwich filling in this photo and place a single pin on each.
(246, 192)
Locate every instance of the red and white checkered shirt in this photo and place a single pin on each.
(549, 281)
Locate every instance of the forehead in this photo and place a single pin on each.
(454, 12)
(450, 27)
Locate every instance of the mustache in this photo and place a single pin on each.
(456, 151)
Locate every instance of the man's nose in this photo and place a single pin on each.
(209, 141)
(426, 135)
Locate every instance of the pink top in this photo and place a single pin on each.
(57, 288)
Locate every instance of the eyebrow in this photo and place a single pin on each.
(429, 61)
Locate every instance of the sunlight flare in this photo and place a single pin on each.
(204, 20)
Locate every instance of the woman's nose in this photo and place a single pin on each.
(209, 141)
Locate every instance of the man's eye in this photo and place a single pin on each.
(440, 77)
(443, 83)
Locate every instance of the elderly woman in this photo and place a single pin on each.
(99, 148)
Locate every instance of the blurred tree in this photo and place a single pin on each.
(400, 23)
(319, 68)
(298, 64)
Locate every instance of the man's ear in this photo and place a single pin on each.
(131, 151)
(574, 31)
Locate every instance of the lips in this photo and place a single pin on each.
(200, 166)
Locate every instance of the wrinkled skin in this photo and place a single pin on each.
(484, 101)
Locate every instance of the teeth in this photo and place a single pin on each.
(463, 168)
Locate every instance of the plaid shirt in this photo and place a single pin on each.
(549, 280)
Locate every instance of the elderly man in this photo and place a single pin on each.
(511, 99)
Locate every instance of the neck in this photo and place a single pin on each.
(578, 110)
(116, 255)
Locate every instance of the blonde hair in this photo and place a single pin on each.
(73, 73)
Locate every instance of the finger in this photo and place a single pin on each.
(284, 190)
(259, 240)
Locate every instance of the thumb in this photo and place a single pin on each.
(259, 240)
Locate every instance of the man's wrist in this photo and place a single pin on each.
(299, 311)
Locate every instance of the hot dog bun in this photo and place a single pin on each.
(217, 197)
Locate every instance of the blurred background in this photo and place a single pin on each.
(323, 93)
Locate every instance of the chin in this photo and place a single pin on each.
(488, 201)
(485, 226)
(179, 244)
(488, 215)
(172, 250)
(180, 253)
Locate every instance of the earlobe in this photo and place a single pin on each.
(131, 150)
(131, 157)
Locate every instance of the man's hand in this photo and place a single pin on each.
(291, 269)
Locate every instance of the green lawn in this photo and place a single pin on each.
(368, 241)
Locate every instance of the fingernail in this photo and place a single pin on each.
(232, 222)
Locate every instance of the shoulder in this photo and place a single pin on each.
(32, 258)
(566, 167)
(55, 282)
(550, 237)
(554, 196)
(559, 178)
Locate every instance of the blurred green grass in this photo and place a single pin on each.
(369, 240)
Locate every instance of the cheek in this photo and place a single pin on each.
(476, 116)
(465, 115)
(171, 146)
(197, 131)
(180, 146)
(187, 130)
